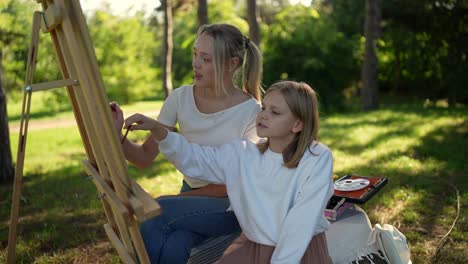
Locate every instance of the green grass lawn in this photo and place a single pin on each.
(422, 151)
(40, 111)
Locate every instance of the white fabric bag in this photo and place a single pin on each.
(391, 242)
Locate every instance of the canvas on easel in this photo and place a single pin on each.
(125, 203)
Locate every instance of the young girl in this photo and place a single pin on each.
(278, 188)
(211, 112)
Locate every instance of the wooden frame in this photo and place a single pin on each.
(125, 203)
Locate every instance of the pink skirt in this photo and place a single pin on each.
(244, 251)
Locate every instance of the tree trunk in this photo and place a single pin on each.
(6, 163)
(252, 18)
(369, 94)
(167, 47)
(202, 12)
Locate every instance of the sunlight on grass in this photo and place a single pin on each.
(419, 152)
(373, 144)
(395, 204)
(422, 152)
(41, 111)
(167, 184)
(49, 149)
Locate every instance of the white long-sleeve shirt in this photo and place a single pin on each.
(274, 205)
(212, 129)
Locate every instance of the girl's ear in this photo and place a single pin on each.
(298, 126)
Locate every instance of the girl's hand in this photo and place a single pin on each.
(142, 122)
(117, 116)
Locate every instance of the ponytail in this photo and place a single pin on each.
(252, 70)
(229, 42)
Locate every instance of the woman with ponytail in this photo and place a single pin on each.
(216, 109)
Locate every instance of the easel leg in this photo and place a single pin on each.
(12, 235)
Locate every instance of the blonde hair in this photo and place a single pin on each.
(229, 43)
(302, 101)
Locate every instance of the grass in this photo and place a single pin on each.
(422, 151)
(41, 111)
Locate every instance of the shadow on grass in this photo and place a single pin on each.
(351, 147)
(59, 210)
(159, 167)
(400, 122)
(429, 217)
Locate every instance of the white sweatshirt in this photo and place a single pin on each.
(274, 205)
(213, 129)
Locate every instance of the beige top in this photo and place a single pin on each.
(208, 129)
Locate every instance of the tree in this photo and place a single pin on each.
(167, 47)
(125, 48)
(202, 12)
(304, 44)
(425, 49)
(6, 162)
(254, 31)
(369, 92)
(13, 15)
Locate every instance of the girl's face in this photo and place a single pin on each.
(203, 62)
(276, 121)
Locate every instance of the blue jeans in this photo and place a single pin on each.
(185, 222)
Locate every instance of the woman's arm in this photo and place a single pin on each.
(141, 155)
(210, 190)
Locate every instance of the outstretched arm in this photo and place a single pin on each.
(142, 122)
(195, 161)
(141, 155)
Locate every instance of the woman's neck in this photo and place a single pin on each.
(208, 102)
(217, 93)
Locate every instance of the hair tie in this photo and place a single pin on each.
(246, 42)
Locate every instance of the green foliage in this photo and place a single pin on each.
(348, 16)
(426, 48)
(303, 44)
(15, 31)
(124, 48)
(184, 35)
(15, 38)
(422, 50)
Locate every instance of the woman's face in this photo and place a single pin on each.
(203, 61)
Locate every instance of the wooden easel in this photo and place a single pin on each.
(125, 203)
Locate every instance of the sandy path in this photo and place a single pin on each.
(54, 123)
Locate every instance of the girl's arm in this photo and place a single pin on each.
(141, 155)
(307, 212)
(206, 163)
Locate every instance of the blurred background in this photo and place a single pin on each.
(421, 46)
(392, 79)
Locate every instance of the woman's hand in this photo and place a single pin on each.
(142, 122)
(117, 116)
